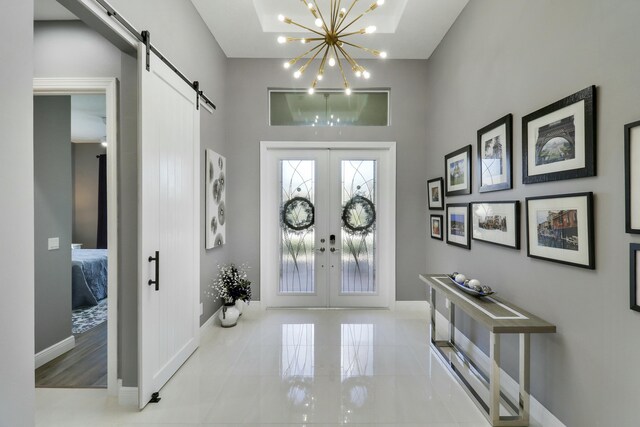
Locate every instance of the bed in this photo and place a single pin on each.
(88, 277)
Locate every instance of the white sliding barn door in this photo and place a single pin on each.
(169, 219)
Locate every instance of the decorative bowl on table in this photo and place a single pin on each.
(471, 287)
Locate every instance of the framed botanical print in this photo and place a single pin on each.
(458, 225)
(494, 155)
(435, 196)
(215, 225)
(559, 140)
(634, 277)
(436, 226)
(497, 223)
(457, 169)
(560, 229)
(632, 176)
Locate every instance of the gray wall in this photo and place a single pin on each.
(85, 193)
(53, 201)
(16, 215)
(517, 56)
(178, 31)
(247, 125)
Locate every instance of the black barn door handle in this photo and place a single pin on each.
(157, 280)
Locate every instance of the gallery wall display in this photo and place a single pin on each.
(458, 225)
(634, 277)
(496, 222)
(457, 170)
(215, 191)
(436, 227)
(435, 196)
(494, 155)
(632, 176)
(560, 229)
(559, 140)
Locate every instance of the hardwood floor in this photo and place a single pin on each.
(83, 367)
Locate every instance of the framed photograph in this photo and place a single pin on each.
(634, 265)
(436, 227)
(458, 225)
(494, 156)
(435, 196)
(560, 229)
(457, 170)
(497, 223)
(215, 195)
(632, 176)
(559, 140)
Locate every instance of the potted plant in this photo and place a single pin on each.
(234, 289)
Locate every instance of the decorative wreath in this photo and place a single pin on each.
(359, 215)
(298, 213)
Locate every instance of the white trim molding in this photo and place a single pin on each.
(108, 87)
(127, 396)
(58, 349)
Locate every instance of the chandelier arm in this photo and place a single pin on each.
(344, 78)
(346, 14)
(307, 28)
(319, 45)
(350, 24)
(297, 39)
(313, 57)
(351, 34)
(324, 60)
(366, 49)
(348, 57)
(336, 13)
(324, 23)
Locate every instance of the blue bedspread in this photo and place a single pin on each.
(88, 276)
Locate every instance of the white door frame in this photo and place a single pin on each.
(107, 87)
(267, 267)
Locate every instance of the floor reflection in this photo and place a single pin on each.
(297, 363)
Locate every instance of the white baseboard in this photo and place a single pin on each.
(254, 306)
(540, 416)
(50, 353)
(127, 396)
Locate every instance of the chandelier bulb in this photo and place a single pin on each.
(380, 2)
(383, 54)
(358, 73)
(332, 61)
(297, 74)
(347, 91)
(311, 91)
(320, 77)
(286, 65)
(303, 41)
(282, 39)
(370, 29)
(318, 23)
(343, 12)
(366, 74)
(281, 18)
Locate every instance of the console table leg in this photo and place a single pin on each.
(452, 323)
(525, 341)
(433, 314)
(494, 379)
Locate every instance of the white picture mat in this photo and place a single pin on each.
(634, 193)
(500, 131)
(457, 210)
(577, 111)
(580, 203)
(465, 183)
(480, 210)
(431, 185)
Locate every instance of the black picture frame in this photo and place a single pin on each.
(495, 170)
(561, 121)
(459, 160)
(440, 219)
(632, 178)
(503, 231)
(634, 276)
(460, 240)
(436, 183)
(554, 238)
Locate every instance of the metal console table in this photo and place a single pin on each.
(499, 317)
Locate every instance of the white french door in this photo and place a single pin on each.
(168, 321)
(328, 225)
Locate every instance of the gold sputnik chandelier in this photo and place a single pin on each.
(331, 41)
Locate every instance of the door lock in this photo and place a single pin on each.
(332, 239)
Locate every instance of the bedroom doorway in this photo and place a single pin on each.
(76, 232)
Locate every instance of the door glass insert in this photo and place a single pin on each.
(358, 226)
(297, 226)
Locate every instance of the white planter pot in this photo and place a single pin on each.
(240, 306)
(228, 315)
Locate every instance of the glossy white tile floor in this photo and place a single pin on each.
(293, 367)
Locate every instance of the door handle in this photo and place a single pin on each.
(157, 279)
(334, 250)
(322, 249)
